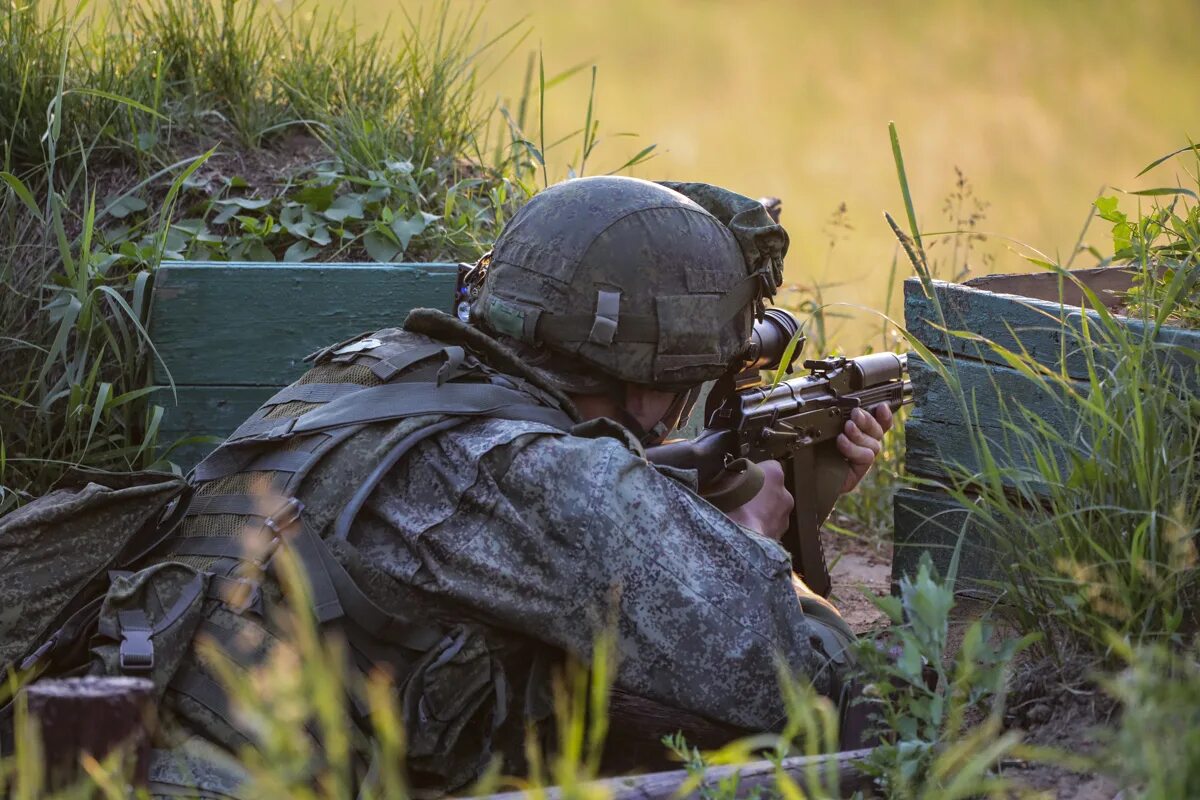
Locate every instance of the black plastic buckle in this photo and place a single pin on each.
(137, 651)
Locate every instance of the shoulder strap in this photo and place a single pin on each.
(395, 401)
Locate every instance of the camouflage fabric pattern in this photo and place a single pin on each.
(628, 278)
(550, 537)
(53, 547)
(762, 240)
(520, 542)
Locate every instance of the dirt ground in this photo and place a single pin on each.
(1053, 704)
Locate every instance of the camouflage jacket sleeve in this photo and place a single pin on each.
(553, 536)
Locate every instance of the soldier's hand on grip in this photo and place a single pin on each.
(768, 511)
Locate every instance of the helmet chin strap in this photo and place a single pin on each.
(661, 429)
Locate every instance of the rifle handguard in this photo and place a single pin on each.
(746, 482)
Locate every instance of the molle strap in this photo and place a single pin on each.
(392, 363)
(241, 504)
(209, 546)
(394, 401)
(226, 460)
(312, 393)
(604, 325)
(260, 429)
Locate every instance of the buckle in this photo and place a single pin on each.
(137, 651)
(284, 516)
(238, 594)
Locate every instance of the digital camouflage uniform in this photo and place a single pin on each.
(462, 526)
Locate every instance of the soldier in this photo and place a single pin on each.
(472, 501)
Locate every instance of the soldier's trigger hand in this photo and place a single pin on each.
(861, 441)
(768, 512)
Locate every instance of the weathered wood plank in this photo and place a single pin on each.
(933, 522)
(1109, 283)
(1049, 332)
(941, 433)
(815, 775)
(97, 716)
(945, 451)
(252, 324)
(991, 393)
(214, 411)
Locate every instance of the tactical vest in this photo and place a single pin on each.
(295, 475)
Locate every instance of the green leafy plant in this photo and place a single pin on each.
(933, 744)
(1155, 747)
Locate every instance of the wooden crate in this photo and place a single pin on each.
(230, 335)
(1040, 313)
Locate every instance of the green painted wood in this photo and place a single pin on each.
(1039, 313)
(252, 324)
(988, 394)
(932, 522)
(210, 411)
(1049, 331)
(945, 451)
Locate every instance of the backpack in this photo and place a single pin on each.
(56, 554)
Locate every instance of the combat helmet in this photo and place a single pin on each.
(624, 279)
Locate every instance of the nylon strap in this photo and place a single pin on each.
(633, 328)
(203, 690)
(390, 362)
(315, 557)
(397, 400)
(312, 393)
(244, 504)
(341, 530)
(418, 636)
(274, 461)
(254, 423)
(210, 546)
(638, 328)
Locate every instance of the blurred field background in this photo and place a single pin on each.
(1038, 103)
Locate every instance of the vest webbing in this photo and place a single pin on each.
(400, 414)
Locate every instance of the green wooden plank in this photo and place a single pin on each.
(990, 393)
(1048, 331)
(940, 434)
(252, 324)
(933, 522)
(943, 450)
(213, 411)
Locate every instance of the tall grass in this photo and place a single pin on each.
(1093, 524)
(124, 130)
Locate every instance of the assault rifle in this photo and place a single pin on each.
(796, 422)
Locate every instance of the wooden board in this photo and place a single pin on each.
(230, 335)
(1051, 333)
(1039, 314)
(933, 522)
(209, 411)
(943, 429)
(252, 324)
